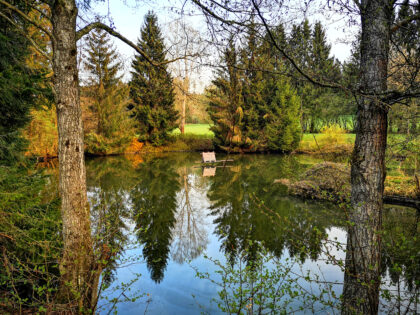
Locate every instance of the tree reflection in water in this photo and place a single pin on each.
(109, 212)
(189, 233)
(154, 205)
(171, 204)
(237, 195)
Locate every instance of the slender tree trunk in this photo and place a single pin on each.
(362, 275)
(185, 90)
(184, 101)
(77, 257)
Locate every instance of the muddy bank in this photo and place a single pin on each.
(331, 181)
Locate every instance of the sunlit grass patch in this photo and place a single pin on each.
(331, 140)
(196, 129)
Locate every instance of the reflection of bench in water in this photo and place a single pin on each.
(210, 157)
(209, 171)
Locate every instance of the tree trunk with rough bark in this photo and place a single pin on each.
(76, 264)
(362, 274)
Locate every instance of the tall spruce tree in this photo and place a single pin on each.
(110, 96)
(282, 128)
(254, 109)
(151, 87)
(321, 104)
(102, 60)
(252, 60)
(310, 49)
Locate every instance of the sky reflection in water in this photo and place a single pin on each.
(168, 212)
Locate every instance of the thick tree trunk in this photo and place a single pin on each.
(362, 275)
(77, 257)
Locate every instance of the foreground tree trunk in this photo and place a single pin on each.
(76, 264)
(362, 274)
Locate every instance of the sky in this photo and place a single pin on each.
(127, 18)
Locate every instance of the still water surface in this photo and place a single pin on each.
(168, 218)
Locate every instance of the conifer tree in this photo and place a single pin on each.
(310, 49)
(109, 94)
(253, 60)
(282, 128)
(254, 109)
(20, 89)
(226, 105)
(151, 87)
(41, 132)
(318, 103)
(102, 60)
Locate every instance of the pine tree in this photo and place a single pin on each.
(281, 113)
(318, 103)
(102, 60)
(309, 47)
(252, 60)
(151, 87)
(282, 129)
(254, 109)
(110, 97)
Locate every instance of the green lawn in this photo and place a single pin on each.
(196, 129)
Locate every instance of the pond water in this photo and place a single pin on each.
(183, 234)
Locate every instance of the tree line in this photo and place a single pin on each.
(389, 41)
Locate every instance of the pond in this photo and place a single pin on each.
(193, 240)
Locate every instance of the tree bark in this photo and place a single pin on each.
(77, 259)
(362, 274)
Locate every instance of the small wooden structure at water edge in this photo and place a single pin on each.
(210, 158)
(208, 161)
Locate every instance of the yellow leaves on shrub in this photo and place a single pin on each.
(42, 133)
(332, 136)
(135, 146)
(236, 139)
(240, 113)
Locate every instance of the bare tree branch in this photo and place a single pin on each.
(290, 59)
(211, 13)
(98, 25)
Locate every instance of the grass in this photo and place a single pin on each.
(326, 143)
(196, 129)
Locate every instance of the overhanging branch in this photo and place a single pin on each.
(290, 59)
(98, 25)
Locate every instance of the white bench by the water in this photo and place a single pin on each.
(208, 157)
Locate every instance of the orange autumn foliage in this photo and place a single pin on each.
(134, 147)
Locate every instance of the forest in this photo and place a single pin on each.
(100, 170)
